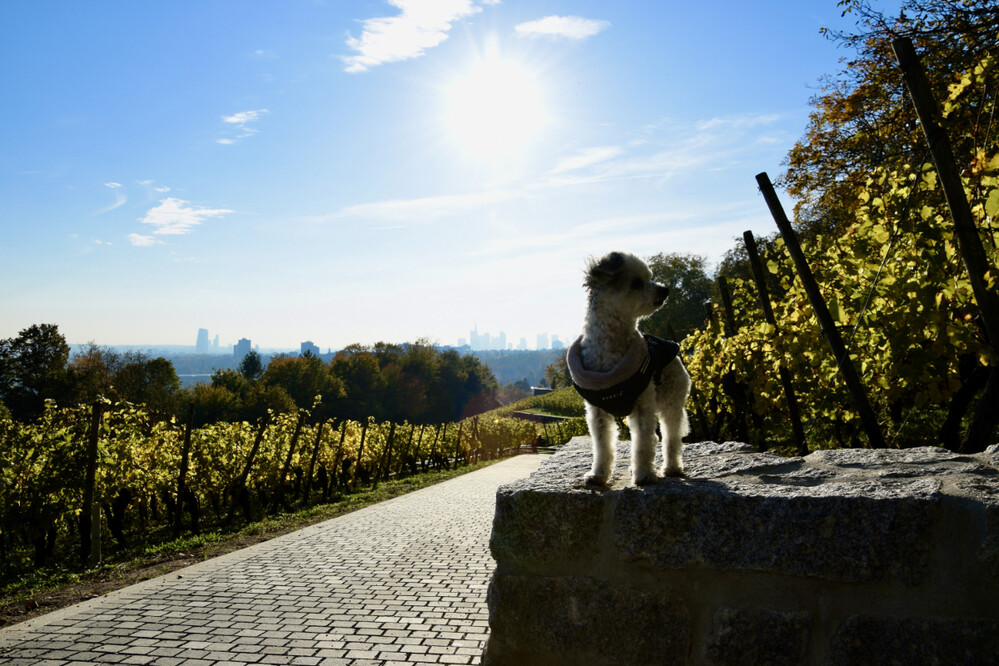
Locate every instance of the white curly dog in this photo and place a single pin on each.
(622, 372)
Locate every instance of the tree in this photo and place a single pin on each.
(150, 382)
(689, 289)
(101, 372)
(557, 374)
(251, 366)
(304, 378)
(863, 118)
(33, 369)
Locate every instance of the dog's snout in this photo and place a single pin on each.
(661, 294)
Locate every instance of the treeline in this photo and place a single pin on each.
(417, 382)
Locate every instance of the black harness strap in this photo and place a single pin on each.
(619, 399)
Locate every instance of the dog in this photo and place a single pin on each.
(621, 372)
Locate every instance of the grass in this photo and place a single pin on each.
(46, 589)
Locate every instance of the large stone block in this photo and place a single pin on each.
(580, 621)
(757, 636)
(908, 641)
(753, 557)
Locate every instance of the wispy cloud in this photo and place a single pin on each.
(667, 149)
(566, 27)
(142, 241)
(244, 117)
(588, 157)
(425, 209)
(162, 189)
(421, 25)
(119, 197)
(240, 122)
(174, 217)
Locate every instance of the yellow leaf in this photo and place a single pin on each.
(992, 203)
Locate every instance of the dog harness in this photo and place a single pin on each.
(617, 391)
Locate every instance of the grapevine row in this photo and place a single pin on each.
(233, 471)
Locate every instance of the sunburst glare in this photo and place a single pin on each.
(495, 109)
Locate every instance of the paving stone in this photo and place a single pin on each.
(400, 582)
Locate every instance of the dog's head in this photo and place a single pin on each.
(621, 282)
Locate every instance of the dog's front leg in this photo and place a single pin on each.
(603, 430)
(642, 422)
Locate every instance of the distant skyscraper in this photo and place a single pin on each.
(501, 341)
(241, 349)
(461, 342)
(542, 341)
(523, 344)
(202, 346)
(309, 348)
(215, 344)
(557, 343)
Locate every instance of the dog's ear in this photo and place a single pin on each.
(603, 270)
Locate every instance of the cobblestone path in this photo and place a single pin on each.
(400, 582)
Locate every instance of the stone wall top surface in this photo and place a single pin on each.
(846, 515)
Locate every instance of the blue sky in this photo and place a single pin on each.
(355, 171)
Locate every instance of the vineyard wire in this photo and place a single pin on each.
(870, 295)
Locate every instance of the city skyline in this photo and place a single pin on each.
(355, 172)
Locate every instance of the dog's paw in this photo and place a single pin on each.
(592, 479)
(644, 478)
(673, 471)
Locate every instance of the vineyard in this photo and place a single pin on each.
(901, 293)
(155, 480)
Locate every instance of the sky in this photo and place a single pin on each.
(358, 171)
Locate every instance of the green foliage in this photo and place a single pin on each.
(898, 291)
(557, 373)
(689, 289)
(234, 469)
(251, 367)
(878, 236)
(33, 369)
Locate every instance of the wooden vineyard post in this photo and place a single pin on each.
(728, 312)
(90, 513)
(859, 397)
(338, 456)
(312, 460)
(360, 450)
(405, 456)
(239, 491)
(433, 445)
(383, 467)
(965, 231)
(279, 491)
(178, 518)
(768, 314)
(969, 242)
(736, 389)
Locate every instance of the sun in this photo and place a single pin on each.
(494, 110)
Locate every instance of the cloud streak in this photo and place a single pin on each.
(562, 27)
(175, 217)
(119, 197)
(425, 209)
(421, 25)
(241, 124)
(588, 157)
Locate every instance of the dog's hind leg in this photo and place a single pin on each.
(642, 423)
(603, 430)
(673, 417)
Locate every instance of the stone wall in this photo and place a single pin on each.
(851, 556)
